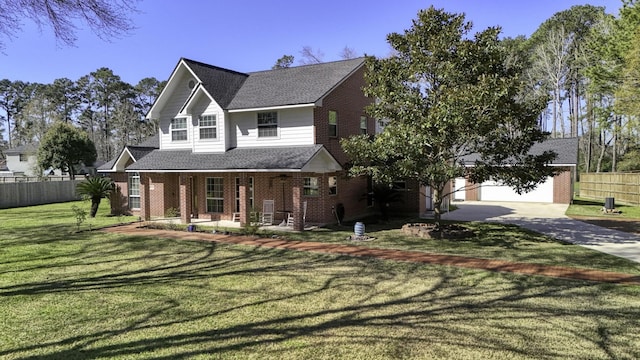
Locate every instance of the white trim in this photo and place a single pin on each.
(160, 97)
(189, 103)
(269, 108)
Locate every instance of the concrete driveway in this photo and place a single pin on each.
(549, 219)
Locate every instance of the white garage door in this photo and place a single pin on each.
(493, 191)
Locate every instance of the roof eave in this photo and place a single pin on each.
(353, 71)
(276, 107)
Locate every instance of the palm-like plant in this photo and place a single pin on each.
(95, 188)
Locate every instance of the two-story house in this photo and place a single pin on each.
(228, 141)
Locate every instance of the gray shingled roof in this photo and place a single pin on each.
(152, 141)
(290, 86)
(267, 158)
(222, 84)
(567, 150)
(137, 151)
(22, 149)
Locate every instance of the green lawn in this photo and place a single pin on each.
(92, 295)
(593, 208)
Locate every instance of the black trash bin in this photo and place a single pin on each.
(609, 203)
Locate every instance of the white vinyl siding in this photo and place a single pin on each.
(295, 128)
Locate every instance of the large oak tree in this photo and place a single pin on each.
(446, 94)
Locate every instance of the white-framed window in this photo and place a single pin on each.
(134, 190)
(208, 125)
(333, 185)
(267, 124)
(363, 125)
(251, 204)
(179, 129)
(23, 157)
(237, 190)
(215, 195)
(333, 123)
(311, 187)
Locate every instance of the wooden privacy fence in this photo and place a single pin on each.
(624, 187)
(37, 193)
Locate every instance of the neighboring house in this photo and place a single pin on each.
(22, 161)
(228, 141)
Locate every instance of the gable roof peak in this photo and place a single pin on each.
(191, 62)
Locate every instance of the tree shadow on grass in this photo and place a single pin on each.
(333, 306)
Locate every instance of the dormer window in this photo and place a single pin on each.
(267, 124)
(208, 127)
(179, 129)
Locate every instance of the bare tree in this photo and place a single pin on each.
(348, 53)
(310, 56)
(106, 18)
(551, 64)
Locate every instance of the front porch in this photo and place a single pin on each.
(229, 224)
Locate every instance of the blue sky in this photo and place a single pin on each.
(250, 35)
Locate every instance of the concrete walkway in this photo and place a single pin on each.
(388, 254)
(550, 220)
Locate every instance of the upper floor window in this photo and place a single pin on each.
(179, 129)
(208, 127)
(333, 123)
(268, 124)
(24, 158)
(363, 125)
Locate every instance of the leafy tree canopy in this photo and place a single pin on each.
(65, 146)
(284, 62)
(446, 94)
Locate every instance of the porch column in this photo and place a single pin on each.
(145, 201)
(245, 208)
(186, 198)
(296, 194)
